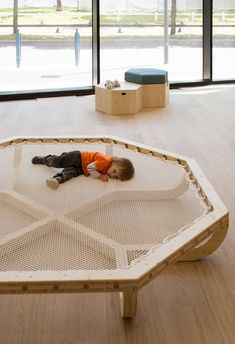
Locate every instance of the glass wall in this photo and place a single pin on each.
(45, 45)
(159, 34)
(224, 40)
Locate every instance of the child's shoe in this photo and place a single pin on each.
(38, 160)
(53, 183)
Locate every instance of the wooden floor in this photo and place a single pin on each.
(189, 303)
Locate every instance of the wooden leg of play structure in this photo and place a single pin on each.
(207, 246)
(128, 303)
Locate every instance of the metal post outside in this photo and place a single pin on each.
(18, 48)
(77, 47)
(166, 37)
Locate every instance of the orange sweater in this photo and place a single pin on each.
(101, 162)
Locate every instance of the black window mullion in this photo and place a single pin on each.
(95, 42)
(207, 40)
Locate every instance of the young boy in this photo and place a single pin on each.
(76, 163)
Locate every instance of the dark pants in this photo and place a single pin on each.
(69, 161)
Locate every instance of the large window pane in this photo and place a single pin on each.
(224, 40)
(55, 45)
(132, 35)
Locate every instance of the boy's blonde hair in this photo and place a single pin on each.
(125, 166)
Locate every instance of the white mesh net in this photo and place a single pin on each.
(86, 224)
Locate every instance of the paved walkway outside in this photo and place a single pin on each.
(54, 67)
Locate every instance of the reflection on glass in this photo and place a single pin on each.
(223, 40)
(45, 46)
(132, 35)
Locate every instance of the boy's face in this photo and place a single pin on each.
(114, 172)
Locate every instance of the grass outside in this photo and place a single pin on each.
(32, 38)
(70, 16)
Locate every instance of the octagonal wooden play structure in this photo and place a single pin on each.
(89, 236)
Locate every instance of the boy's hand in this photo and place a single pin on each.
(104, 177)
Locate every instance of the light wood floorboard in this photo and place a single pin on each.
(189, 303)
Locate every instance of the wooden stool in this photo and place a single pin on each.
(155, 85)
(124, 100)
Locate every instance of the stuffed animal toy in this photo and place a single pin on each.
(109, 84)
(116, 83)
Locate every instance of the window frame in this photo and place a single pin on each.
(207, 77)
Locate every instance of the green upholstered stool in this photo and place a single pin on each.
(146, 76)
(154, 85)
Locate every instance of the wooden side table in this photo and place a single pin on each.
(124, 100)
(155, 95)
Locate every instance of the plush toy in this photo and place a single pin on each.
(109, 84)
(116, 83)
